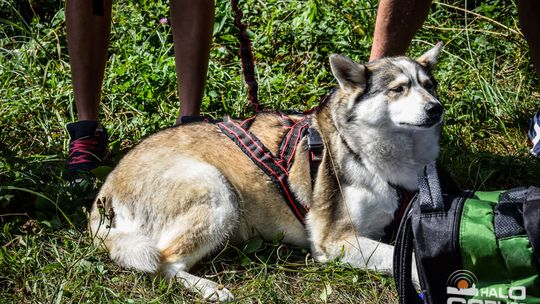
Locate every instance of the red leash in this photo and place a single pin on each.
(246, 56)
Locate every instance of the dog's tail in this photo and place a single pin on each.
(129, 249)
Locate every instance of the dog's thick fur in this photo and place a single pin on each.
(182, 193)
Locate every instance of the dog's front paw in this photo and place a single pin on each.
(219, 293)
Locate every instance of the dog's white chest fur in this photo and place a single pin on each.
(371, 211)
(370, 200)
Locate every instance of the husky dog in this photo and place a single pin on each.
(185, 191)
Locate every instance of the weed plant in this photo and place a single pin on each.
(486, 83)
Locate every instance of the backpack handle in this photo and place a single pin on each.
(431, 184)
(403, 251)
(429, 188)
(430, 199)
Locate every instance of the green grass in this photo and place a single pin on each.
(486, 83)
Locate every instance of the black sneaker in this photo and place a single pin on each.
(87, 148)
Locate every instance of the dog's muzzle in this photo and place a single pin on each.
(434, 111)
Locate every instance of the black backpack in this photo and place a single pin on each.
(470, 246)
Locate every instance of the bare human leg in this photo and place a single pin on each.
(397, 23)
(193, 24)
(88, 41)
(530, 24)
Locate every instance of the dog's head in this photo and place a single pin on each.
(395, 93)
(387, 110)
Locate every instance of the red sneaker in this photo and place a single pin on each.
(87, 147)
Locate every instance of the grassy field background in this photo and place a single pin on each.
(486, 83)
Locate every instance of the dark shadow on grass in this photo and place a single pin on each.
(488, 171)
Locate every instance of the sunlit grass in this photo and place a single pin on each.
(485, 81)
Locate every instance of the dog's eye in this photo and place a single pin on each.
(428, 86)
(399, 89)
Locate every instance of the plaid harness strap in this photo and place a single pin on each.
(276, 167)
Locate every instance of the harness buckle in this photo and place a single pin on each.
(315, 145)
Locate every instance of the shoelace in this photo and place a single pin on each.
(83, 150)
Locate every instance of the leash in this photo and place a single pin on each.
(246, 56)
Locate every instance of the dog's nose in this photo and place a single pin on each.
(434, 109)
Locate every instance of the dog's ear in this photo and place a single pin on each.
(349, 74)
(429, 59)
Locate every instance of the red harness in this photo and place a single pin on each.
(277, 167)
